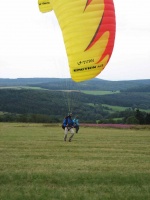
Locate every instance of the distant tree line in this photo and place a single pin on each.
(51, 106)
(28, 118)
(128, 116)
(124, 117)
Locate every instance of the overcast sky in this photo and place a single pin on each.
(31, 43)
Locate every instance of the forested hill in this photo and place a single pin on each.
(68, 84)
(48, 100)
(23, 81)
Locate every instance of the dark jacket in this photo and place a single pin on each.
(68, 121)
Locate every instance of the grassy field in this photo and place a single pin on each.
(22, 87)
(99, 164)
(115, 108)
(121, 108)
(99, 92)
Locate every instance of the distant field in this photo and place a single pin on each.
(115, 108)
(99, 92)
(22, 87)
(120, 108)
(39, 88)
(99, 164)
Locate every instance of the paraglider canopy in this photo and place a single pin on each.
(88, 29)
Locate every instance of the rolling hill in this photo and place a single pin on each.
(55, 97)
(62, 84)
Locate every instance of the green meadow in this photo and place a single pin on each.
(99, 92)
(99, 164)
(22, 87)
(121, 108)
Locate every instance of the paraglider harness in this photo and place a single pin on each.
(68, 127)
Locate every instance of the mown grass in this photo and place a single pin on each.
(99, 164)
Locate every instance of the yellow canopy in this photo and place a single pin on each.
(88, 29)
